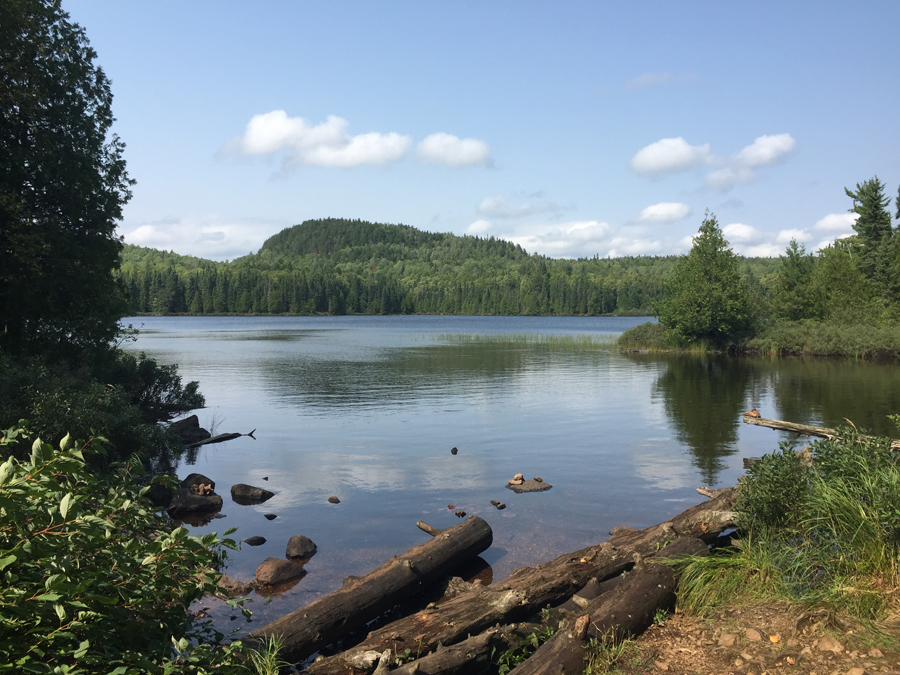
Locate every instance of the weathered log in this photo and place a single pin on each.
(626, 610)
(306, 630)
(528, 590)
(469, 657)
(220, 438)
(804, 429)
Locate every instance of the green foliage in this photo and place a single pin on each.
(794, 295)
(649, 335)
(93, 580)
(62, 187)
(873, 227)
(705, 299)
(826, 534)
(603, 656)
(519, 652)
(862, 341)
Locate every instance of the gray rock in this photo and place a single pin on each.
(255, 541)
(189, 430)
(160, 495)
(187, 502)
(247, 494)
(277, 571)
(233, 587)
(529, 486)
(300, 547)
(270, 516)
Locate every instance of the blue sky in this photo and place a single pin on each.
(572, 128)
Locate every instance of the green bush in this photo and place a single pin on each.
(649, 335)
(773, 490)
(93, 580)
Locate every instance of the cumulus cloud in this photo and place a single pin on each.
(327, 144)
(211, 237)
(449, 150)
(567, 240)
(741, 233)
(837, 222)
(740, 168)
(479, 228)
(498, 207)
(645, 80)
(669, 155)
(664, 212)
(784, 237)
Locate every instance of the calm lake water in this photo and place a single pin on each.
(368, 408)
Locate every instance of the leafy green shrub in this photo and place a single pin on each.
(774, 489)
(649, 335)
(93, 580)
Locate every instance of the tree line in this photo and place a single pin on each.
(336, 266)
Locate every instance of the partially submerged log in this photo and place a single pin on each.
(804, 429)
(530, 589)
(306, 630)
(220, 438)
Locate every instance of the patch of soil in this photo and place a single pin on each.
(762, 640)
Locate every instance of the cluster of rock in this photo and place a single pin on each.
(518, 484)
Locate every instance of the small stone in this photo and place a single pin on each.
(300, 547)
(265, 478)
(255, 541)
(247, 494)
(856, 671)
(727, 639)
(453, 451)
(460, 514)
(519, 476)
(538, 479)
(450, 506)
(829, 644)
(494, 502)
(270, 516)
(738, 663)
(753, 635)
(501, 506)
(516, 481)
(746, 656)
(334, 500)
(875, 653)
(276, 571)
(662, 665)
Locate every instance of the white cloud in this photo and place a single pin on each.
(450, 150)
(645, 80)
(479, 228)
(209, 237)
(498, 207)
(741, 233)
(784, 237)
(764, 151)
(567, 240)
(664, 212)
(670, 154)
(327, 144)
(837, 222)
(767, 250)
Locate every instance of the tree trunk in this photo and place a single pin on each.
(306, 630)
(805, 429)
(528, 590)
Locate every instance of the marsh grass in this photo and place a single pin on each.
(831, 541)
(577, 342)
(604, 656)
(266, 660)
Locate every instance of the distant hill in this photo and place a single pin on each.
(337, 266)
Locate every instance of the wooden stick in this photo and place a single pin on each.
(805, 429)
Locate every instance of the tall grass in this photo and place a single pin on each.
(831, 539)
(266, 659)
(578, 342)
(815, 338)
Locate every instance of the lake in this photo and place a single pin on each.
(367, 408)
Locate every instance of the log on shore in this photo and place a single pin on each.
(220, 438)
(306, 630)
(624, 611)
(528, 590)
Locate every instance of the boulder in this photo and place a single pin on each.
(233, 587)
(189, 430)
(300, 547)
(255, 541)
(187, 502)
(160, 495)
(277, 571)
(247, 494)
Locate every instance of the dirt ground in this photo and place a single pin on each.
(761, 640)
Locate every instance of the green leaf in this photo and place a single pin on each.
(6, 470)
(64, 443)
(65, 503)
(60, 611)
(48, 597)
(7, 561)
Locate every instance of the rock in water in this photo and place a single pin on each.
(270, 516)
(453, 451)
(255, 541)
(528, 486)
(300, 547)
(186, 502)
(247, 494)
(276, 571)
(334, 500)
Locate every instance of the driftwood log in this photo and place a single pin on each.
(529, 589)
(626, 610)
(362, 599)
(803, 429)
(220, 438)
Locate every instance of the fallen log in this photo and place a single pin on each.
(472, 656)
(626, 610)
(529, 589)
(220, 438)
(306, 630)
(804, 429)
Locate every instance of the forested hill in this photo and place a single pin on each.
(340, 266)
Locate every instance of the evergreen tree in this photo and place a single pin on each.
(705, 298)
(62, 186)
(873, 227)
(794, 295)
